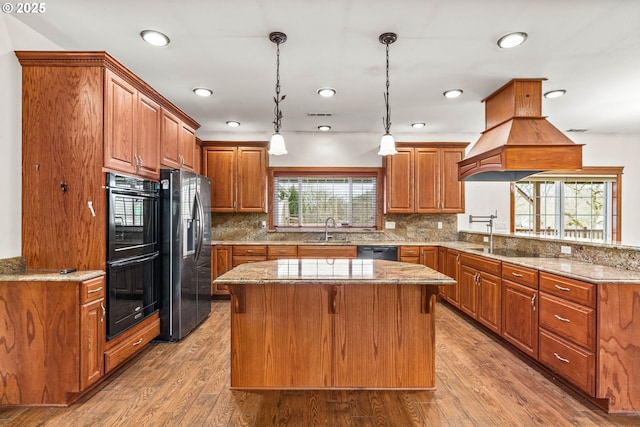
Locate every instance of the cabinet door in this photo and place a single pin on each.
(92, 339)
(148, 137)
(252, 172)
(451, 190)
(489, 297)
(520, 317)
(219, 164)
(399, 182)
(170, 141)
(429, 256)
(468, 290)
(120, 124)
(427, 180)
(187, 147)
(451, 270)
(221, 263)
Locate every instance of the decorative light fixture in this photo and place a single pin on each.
(324, 128)
(387, 143)
(233, 123)
(276, 145)
(417, 125)
(555, 93)
(202, 91)
(155, 38)
(326, 92)
(453, 93)
(512, 40)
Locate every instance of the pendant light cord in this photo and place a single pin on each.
(278, 98)
(386, 121)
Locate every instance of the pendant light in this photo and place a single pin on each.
(276, 145)
(387, 143)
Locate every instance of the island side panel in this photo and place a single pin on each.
(282, 338)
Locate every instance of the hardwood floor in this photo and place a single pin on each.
(479, 383)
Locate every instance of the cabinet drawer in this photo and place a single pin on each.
(283, 251)
(250, 250)
(524, 276)
(92, 290)
(481, 263)
(573, 363)
(244, 259)
(132, 344)
(570, 289)
(409, 251)
(571, 321)
(324, 251)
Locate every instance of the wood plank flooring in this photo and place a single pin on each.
(479, 383)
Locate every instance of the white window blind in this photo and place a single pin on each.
(307, 201)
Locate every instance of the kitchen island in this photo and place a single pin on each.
(332, 323)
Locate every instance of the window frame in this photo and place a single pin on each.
(359, 172)
(594, 172)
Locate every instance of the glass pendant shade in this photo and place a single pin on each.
(387, 145)
(276, 145)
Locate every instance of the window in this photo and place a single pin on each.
(305, 198)
(580, 205)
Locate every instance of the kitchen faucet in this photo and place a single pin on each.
(489, 220)
(326, 228)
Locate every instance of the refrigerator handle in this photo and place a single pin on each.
(200, 221)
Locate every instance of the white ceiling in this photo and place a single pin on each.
(591, 48)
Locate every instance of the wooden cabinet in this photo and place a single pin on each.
(55, 342)
(221, 262)
(448, 263)
(409, 254)
(178, 143)
(568, 329)
(238, 177)
(132, 129)
(130, 343)
(327, 251)
(429, 256)
(520, 301)
(480, 290)
(423, 178)
(242, 254)
(282, 252)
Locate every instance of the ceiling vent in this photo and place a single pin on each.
(518, 140)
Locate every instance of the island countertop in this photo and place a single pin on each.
(331, 271)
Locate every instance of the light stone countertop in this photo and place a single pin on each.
(50, 276)
(588, 272)
(333, 271)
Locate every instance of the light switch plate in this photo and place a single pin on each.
(389, 224)
(439, 225)
(565, 249)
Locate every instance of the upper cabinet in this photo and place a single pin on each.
(178, 143)
(423, 178)
(238, 176)
(132, 129)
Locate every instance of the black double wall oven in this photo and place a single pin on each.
(132, 252)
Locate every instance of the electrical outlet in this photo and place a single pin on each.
(565, 249)
(263, 224)
(485, 239)
(389, 224)
(439, 225)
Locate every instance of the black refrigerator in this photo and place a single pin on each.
(185, 225)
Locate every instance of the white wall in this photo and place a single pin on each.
(13, 36)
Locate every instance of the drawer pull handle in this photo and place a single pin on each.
(137, 342)
(562, 319)
(533, 302)
(562, 288)
(516, 274)
(93, 291)
(560, 358)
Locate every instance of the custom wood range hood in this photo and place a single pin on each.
(518, 140)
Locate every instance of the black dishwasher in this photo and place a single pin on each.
(378, 252)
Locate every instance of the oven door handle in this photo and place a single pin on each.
(200, 221)
(132, 261)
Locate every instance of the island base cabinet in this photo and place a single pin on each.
(326, 336)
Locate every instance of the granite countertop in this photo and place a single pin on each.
(332, 271)
(50, 276)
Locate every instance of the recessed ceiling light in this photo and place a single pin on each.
(324, 128)
(555, 93)
(202, 91)
(233, 123)
(453, 93)
(326, 92)
(417, 125)
(512, 40)
(155, 38)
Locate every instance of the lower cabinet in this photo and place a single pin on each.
(92, 331)
(450, 265)
(410, 254)
(131, 342)
(520, 301)
(221, 262)
(429, 256)
(480, 290)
